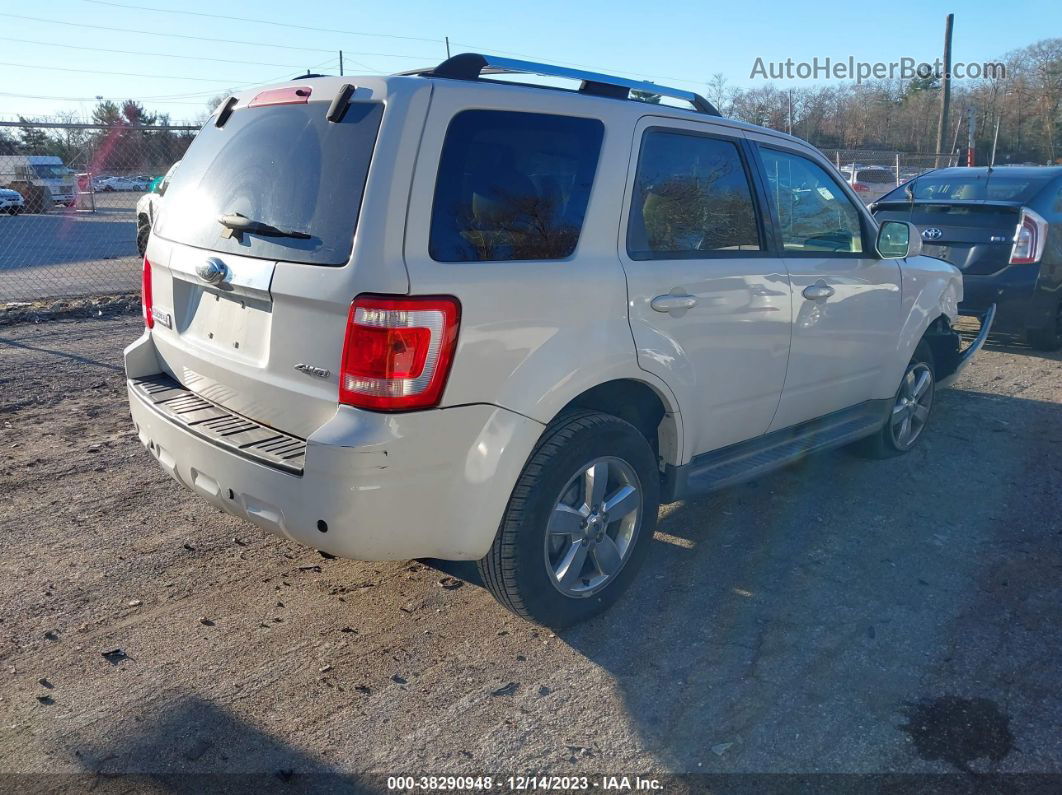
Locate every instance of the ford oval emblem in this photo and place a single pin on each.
(213, 271)
(932, 233)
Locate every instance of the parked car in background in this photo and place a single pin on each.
(147, 208)
(108, 184)
(456, 356)
(11, 201)
(1003, 229)
(869, 182)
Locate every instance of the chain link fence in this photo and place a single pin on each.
(70, 227)
(86, 195)
(874, 173)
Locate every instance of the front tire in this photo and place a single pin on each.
(910, 410)
(579, 522)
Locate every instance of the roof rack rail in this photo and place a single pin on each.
(470, 65)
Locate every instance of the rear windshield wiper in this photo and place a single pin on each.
(235, 223)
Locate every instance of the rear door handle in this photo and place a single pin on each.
(673, 303)
(813, 292)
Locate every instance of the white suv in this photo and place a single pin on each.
(446, 315)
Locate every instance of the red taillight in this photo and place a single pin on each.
(859, 187)
(297, 95)
(1030, 239)
(145, 295)
(397, 352)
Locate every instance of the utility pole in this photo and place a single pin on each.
(945, 89)
(790, 111)
(971, 125)
(447, 46)
(340, 63)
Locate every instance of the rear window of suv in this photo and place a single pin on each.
(285, 166)
(513, 186)
(876, 176)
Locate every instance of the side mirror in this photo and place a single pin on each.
(898, 239)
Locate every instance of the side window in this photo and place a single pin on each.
(691, 199)
(813, 214)
(513, 186)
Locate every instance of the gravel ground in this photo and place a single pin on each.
(840, 616)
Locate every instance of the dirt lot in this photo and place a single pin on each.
(840, 616)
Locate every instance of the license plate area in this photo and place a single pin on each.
(234, 326)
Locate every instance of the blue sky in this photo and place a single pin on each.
(682, 43)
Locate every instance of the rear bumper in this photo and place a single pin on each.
(373, 486)
(1020, 304)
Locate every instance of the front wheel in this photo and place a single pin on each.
(910, 410)
(579, 522)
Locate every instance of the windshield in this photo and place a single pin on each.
(983, 187)
(285, 166)
(51, 171)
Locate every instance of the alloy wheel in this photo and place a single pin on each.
(593, 527)
(911, 410)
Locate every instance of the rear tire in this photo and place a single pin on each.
(143, 231)
(910, 411)
(1048, 339)
(579, 521)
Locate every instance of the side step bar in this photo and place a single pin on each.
(746, 460)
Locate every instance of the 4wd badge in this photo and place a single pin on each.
(309, 369)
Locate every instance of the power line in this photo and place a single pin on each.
(119, 74)
(362, 33)
(156, 33)
(148, 53)
(641, 75)
(95, 99)
(286, 25)
(170, 99)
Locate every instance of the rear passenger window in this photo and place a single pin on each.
(691, 199)
(513, 186)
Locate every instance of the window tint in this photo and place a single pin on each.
(285, 166)
(980, 187)
(691, 198)
(877, 176)
(813, 214)
(513, 186)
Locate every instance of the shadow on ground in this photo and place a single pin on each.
(183, 748)
(845, 610)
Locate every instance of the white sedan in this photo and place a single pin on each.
(11, 201)
(118, 184)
